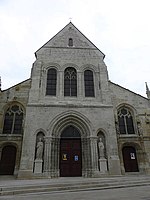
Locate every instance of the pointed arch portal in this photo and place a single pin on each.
(71, 136)
(70, 152)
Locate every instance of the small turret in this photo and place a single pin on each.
(147, 91)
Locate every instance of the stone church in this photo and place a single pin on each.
(69, 120)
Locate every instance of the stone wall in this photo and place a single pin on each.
(140, 106)
(16, 95)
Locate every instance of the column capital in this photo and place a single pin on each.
(93, 138)
(47, 139)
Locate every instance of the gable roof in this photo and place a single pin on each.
(27, 81)
(69, 31)
(121, 87)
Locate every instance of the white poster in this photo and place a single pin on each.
(132, 156)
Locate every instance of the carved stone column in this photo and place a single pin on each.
(47, 156)
(86, 157)
(94, 156)
(80, 87)
(55, 157)
(60, 85)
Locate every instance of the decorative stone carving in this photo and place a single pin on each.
(147, 120)
(117, 127)
(138, 120)
(140, 131)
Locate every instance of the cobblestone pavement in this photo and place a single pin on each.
(134, 193)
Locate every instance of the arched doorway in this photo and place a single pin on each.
(130, 159)
(8, 159)
(70, 153)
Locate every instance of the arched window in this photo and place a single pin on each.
(13, 120)
(89, 83)
(70, 82)
(125, 121)
(51, 82)
(70, 42)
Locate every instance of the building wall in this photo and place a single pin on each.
(140, 107)
(17, 95)
(97, 111)
(96, 117)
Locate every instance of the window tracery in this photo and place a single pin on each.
(13, 120)
(70, 82)
(125, 120)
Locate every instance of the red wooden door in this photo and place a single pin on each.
(8, 159)
(70, 158)
(130, 159)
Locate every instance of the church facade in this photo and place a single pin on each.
(69, 120)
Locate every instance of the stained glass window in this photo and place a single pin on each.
(70, 82)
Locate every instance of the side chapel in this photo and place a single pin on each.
(68, 119)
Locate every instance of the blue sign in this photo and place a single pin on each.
(76, 158)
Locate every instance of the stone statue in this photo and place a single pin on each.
(101, 148)
(39, 149)
(147, 119)
(140, 131)
(117, 127)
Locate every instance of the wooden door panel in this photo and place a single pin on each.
(7, 162)
(70, 157)
(130, 159)
(76, 163)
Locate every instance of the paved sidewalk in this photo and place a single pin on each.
(113, 188)
(10, 181)
(135, 193)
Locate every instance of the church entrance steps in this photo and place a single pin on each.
(22, 187)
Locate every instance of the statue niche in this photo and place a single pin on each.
(101, 145)
(101, 148)
(39, 151)
(102, 153)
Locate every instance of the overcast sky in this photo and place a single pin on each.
(119, 28)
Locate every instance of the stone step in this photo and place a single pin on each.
(26, 187)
